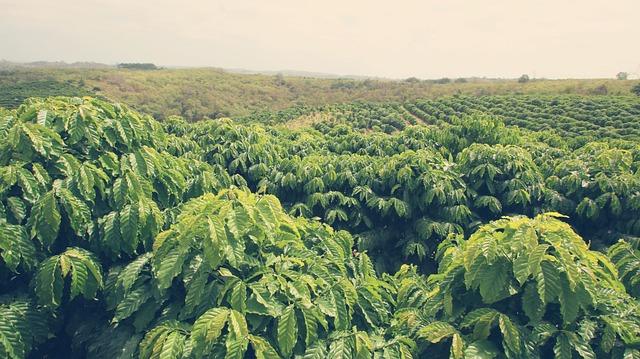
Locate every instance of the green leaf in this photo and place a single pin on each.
(173, 346)
(342, 320)
(268, 208)
(494, 281)
(631, 354)
(482, 328)
(316, 351)
(49, 284)
(16, 248)
(167, 263)
(236, 347)
(341, 348)
(129, 217)
(262, 348)
(535, 257)
(568, 303)
(129, 274)
(79, 276)
(132, 301)
(363, 346)
(533, 307)
(436, 331)
(510, 334)
(481, 349)
(457, 346)
(549, 286)
(581, 346)
(311, 326)
(239, 297)
(45, 219)
(17, 208)
(215, 243)
(78, 212)
(237, 324)
(521, 267)
(287, 331)
(12, 345)
(195, 287)
(608, 338)
(208, 328)
(562, 348)
(238, 221)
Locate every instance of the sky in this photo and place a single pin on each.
(396, 39)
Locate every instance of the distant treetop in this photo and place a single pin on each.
(622, 75)
(138, 66)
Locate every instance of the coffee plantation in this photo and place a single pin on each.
(484, 227)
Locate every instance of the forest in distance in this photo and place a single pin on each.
(503, 225)
(198, 93)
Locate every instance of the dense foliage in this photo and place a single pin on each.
(124, 237)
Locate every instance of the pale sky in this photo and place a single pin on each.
(390, 38)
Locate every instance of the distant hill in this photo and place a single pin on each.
(196, 93)
(298, 73)
(4, 64)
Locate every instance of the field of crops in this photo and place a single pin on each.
(593, 117)
(422, 229)
(13, 94)
(578, 118)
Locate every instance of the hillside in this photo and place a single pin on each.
(206, 92)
